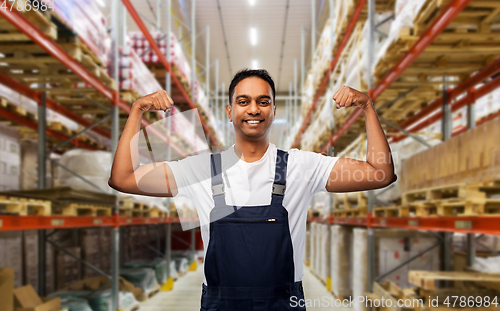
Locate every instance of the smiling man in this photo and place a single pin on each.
(252, 198)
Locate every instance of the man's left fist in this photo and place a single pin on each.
(349, 97)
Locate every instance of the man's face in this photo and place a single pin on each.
(252, 111)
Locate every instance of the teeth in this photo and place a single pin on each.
(253, 121)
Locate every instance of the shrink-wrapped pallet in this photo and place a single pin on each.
(340, 260)
(393, 247)
(324, 271)
(359, 261)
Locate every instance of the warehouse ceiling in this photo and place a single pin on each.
(277, 23)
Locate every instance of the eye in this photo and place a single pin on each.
(242, 102)
(265, 103)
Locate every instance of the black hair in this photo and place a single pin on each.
(247, 73)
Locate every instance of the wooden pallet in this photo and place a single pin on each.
(352, 212)
(427, 279)
(386, 211)
(25, 206)
(41, 19)
(455, 191)
(350, 200)
(82, 209)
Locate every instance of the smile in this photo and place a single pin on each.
(253, 121)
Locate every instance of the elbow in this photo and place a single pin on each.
(114, 184)
(391, 180)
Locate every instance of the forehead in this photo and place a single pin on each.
(253, 86)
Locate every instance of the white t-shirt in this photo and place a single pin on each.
(250, 184)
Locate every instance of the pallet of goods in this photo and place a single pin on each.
(461, 159)
(429, 295)
(10, 205)
(392, 248)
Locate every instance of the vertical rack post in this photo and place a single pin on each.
(193, 73)
(42, 155)
(371, 193)
(193, 97)
(216, 105)
(302, 60)
(446, 130)
(193, 49)
(295, 92)
(117, 24)
(169, 134)
(313, 30)
(223, 110)
(471, 123)
(169, 57)
(158, 15)
(207, 63)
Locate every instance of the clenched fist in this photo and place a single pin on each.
(158, 100)
(349, 97)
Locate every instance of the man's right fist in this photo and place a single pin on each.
(158, 100)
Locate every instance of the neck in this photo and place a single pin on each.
(251, 151)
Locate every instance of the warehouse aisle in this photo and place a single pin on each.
(315, 291)
(187, 294)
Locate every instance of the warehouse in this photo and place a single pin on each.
(147, 162)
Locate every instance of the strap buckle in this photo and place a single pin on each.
(218, 189)
(279, 189)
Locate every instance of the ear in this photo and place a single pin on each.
(228, 112)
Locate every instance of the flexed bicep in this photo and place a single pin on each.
(349, 175)
(156, 178)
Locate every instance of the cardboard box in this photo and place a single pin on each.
(7, 289)
(30, 258)
(11, 254)
(26, 299)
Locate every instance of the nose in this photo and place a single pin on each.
(253, 108)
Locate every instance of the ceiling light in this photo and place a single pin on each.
(251, 2)
(253, 35)
(255, 64)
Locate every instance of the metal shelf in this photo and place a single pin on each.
(434, 29)
(11, 223)
(460, 224)
(333, 63)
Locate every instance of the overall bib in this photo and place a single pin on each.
(249, 260)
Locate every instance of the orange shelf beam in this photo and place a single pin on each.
(464, 224)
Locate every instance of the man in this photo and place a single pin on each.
(253, 196)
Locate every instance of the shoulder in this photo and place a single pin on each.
(301, 155)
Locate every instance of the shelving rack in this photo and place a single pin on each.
(469, 225)
(109, 95)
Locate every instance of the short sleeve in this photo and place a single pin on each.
(312, 168)
(189, 173)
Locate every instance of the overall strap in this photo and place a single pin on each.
(217, 184)
(279, 184)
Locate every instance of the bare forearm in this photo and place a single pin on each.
(126, 158)
(378, 151)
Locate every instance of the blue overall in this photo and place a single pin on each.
(249, 260)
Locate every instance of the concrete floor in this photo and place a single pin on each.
(186, 294)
